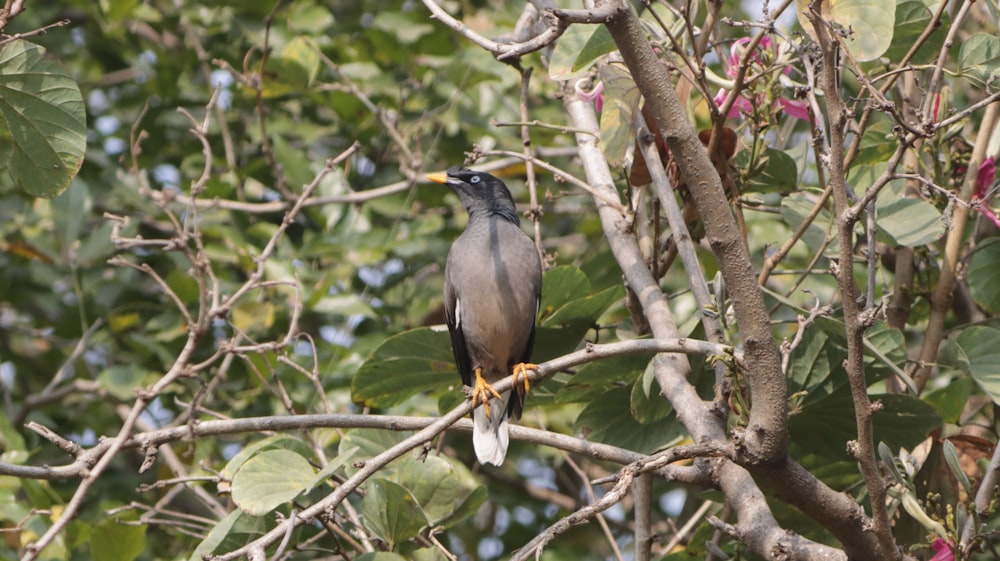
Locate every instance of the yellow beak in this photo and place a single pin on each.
(437, 178)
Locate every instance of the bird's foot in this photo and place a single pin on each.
(521, 371)
(482, 392)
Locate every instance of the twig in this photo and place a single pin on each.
(606, 198)
(625, 478)
(4, 39)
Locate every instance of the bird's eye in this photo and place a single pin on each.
(474, 179)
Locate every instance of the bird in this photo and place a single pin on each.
(492, 293)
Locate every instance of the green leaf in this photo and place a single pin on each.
(358, 445)
(621, 102)
(647, 405)
(911, 222)
(593, 379)
(308, 18)
(405, 29)
(440, 486)
(270, 479)
(275, 442)
(587, 309)
(876, 144)
(116, 10)
(912, 17)
(609, 420)
(777, 172)
(825, 427)
(869, 23)
(979, 57)
(979, 356)
(404, 365)
(797, 206)
(599, 44)
(984, 276)
(218, 534)
(71, 210)
(955, 465)
(391, 512)
(560, 286)
(11, 441)
(114, 541)
(380, 556)
(813, 364)
(951, 400)
(577, 49)
(293, 69)
(43, 129)
(123, 381)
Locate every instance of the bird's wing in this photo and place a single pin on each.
(453, 315)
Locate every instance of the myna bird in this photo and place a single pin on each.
(492, 288)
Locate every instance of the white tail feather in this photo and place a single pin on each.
(489, 434)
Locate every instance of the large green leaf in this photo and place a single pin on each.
(868, 23)
(609, 419)
(979, 57)
(796, 207)
(621, 103)
(984, 276)
(216, 536)
(816, 366)
(391, 512)
(912, 17)
(587, 309)
(560, 286)
(115, 541)
(358, 445)
(911, 222)
(404, 365)
(578, 48)
(775, 172)
(647, 405)
(825, 427)
(979, 356)
(951, 400)
(275, 442)
(593, 379)
(441, 486)
(43, 129)
(270, 479)
(566, 298)
(292, 69)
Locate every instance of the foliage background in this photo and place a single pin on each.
(128, 307)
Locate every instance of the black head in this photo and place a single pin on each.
(480, 192)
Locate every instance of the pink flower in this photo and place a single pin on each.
(984, 180)
(758, 61)
(942, 550)
(596, 94)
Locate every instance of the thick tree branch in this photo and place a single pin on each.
(766, 434)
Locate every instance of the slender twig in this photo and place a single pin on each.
(4, 39)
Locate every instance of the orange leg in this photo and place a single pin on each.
(482, 391)
(521, 371)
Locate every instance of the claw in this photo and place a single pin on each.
(521, 371)
(482, 391)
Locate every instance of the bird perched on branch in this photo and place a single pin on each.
(492, 289)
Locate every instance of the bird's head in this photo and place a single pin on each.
(481, 193)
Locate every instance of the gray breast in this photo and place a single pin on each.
(496, 274)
